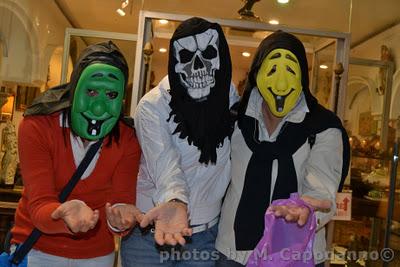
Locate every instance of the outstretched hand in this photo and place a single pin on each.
(123, 216)
(299, 214)
(171, 223)
(77, 216)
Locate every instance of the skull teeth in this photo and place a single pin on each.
(196, 81)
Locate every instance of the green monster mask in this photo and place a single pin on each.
(97, 101)
(279, 81)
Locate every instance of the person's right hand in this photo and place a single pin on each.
(77, 216)
(123, 216)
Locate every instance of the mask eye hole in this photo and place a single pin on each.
(185, 55)
(209, 53)
(111, 94)
(92, 92)
(272, 71)
(289, 69)
(288, 56)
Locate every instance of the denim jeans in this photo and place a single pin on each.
(223, 261)
(139, 250)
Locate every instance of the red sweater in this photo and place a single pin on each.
(47, 164)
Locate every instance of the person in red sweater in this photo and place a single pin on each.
(54, 136)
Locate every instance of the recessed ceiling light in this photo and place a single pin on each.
(125, 4)
(162, 50)
(273, 22)
(120, 12)
(246, 54)
(323, 67)
(283, 1)
(163, 21)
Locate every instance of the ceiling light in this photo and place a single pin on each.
(120, 12)
(124, 4)
(323, 67)
(162, 50)
(273, 22)
(246, 54)
(283, 1)
(163, 21)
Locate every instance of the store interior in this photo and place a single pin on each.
(353, 50)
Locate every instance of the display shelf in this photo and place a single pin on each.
(7, 211)
(372, 183)
(8, 204)
(385, 158)
(10, 195)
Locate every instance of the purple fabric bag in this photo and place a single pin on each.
(285, 244)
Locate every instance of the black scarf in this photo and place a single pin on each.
(256, 194)
(205, 124)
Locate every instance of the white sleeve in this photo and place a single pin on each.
(324, 171)
(161, 156)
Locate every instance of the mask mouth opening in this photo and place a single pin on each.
(199, 80)
(280, 99)
(94, 126)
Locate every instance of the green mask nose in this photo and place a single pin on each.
(98, 108)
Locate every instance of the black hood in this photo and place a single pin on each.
(192, 27)
(207, 123)
(277, 40)
(60, 97)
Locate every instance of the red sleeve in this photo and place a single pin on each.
(38, 174)
(125, 174)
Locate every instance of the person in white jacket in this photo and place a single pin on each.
(284, 142)
(184, 126)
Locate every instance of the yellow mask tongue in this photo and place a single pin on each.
(279, 81)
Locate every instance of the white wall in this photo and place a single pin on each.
(36, 29)
(31, 31)
(17, 58)
(371, 49)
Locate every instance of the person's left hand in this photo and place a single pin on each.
(294, 213)
(171, 223)
(123, 216)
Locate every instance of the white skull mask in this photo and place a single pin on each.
(198, 58)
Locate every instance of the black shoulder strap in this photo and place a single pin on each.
(128, 121)
(311, 140)
(23, 250)
(346, 158)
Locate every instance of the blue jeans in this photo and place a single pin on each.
(223, 261)
(139, 250)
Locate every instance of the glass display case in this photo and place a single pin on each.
(372, 237)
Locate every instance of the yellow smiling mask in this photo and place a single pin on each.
(279, 81)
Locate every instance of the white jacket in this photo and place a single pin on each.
(318, 172)
(169, 166)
